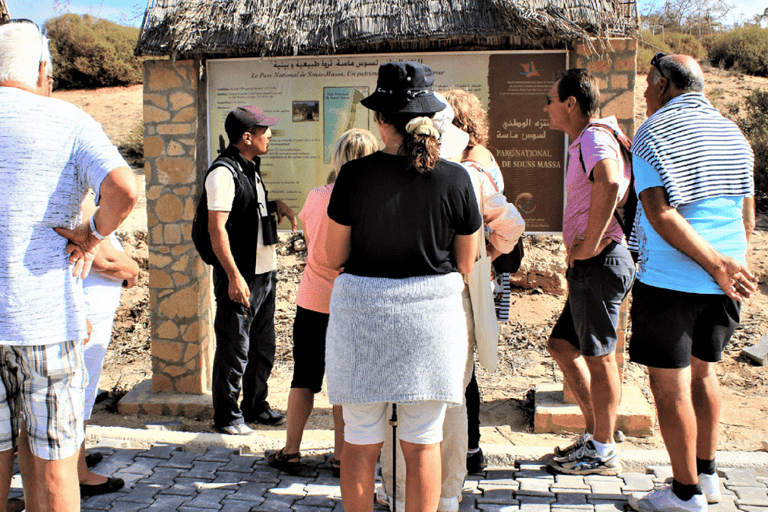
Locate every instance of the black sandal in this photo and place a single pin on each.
(288, 462)
(336, 467)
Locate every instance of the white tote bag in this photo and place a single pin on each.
(481, 296)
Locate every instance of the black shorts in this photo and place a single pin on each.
(668, 327)
(309, 349)
(596, 289)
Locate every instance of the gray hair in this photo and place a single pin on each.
(22, 49)
(686, 78)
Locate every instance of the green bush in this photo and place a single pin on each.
(645, 52)
(753, 121)
(132, 146)
(672, 42)
(91, 52)
(745, 49)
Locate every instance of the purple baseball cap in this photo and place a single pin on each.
(245, 117)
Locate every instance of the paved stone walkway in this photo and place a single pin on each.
(166, 478)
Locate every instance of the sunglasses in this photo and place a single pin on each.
(656, 62)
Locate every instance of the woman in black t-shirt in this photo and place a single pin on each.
(403, 227)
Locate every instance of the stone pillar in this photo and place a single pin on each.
(180, 288)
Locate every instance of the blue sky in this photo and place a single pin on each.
(129, 12)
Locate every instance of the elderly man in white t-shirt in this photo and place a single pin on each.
(243, 236)
(51, 153)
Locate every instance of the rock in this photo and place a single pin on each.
(758, 353)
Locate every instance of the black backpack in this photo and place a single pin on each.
(625, 214)
(200, 235)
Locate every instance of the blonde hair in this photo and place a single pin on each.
(469, 115)
(353, 144)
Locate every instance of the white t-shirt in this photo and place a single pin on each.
(51, 153)
(220, 189)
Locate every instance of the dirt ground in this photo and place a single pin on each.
(524, 363)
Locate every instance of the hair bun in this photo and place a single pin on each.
(422, 126)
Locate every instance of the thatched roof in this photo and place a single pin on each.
(4, 13)
(217, 28)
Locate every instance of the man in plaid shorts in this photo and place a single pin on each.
(51, 153)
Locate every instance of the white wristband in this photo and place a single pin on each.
(93, 230)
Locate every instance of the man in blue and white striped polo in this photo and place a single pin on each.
(693, 171)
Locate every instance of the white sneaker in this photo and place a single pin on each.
(710, 486)
(663, 499)
(240, 429)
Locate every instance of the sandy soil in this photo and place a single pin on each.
(524, 363)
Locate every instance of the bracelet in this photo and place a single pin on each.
(93, 230)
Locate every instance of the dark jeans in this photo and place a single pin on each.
(472, 397)
(245, 348)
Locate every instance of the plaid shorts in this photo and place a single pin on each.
(43, 385)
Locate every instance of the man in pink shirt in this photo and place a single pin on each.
(600, 271)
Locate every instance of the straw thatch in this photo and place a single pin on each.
(4, 13)
(216, 28)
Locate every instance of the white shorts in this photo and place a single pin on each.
(418, 423)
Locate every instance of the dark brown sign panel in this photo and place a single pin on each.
(530, 154)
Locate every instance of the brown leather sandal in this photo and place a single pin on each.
(288, 462)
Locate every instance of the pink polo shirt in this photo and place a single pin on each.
(317, 281)
(596, 144)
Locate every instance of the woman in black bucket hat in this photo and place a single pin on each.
(403, 225)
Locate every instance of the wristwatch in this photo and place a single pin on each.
(93, 230)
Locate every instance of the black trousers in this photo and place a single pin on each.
(245, 348)
(472, 397)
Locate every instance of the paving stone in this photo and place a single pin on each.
(142, 493)
(315, 501)
(499, 474)
(217, 454)
(225, 477)
(289, 494)
(471, 487)
(250, 491)
(500, 495)
(535, 500)
(749, 508)
(740, 477)
(492, 507)
(660, 473)
(130, 478)
(204, 469)
(124, 456)
(322, 490)
(762, 479)
(103, 502)
(636, 482)
(755, 496)
(534, 507)
(270, 505)
(259, 475)
(535, 474)
(160, 451)
(608, 506)
(181, 460)
(606, 490)
(211, 498)
(228, 505)
(724, 506)
(535, 487)
(239, 464)
(528, 465)
(565, 508)
(183, 487)
(468, 502)
(166, 503)
(143, 465)
(569, 498)
(196, 509)
(162, 476)
(127, 506)
(569, 482)
(507, 483)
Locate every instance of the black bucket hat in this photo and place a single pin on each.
(404, 88)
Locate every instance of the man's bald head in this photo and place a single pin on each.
(683, 72)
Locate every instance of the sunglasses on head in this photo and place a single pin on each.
(656, 62)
